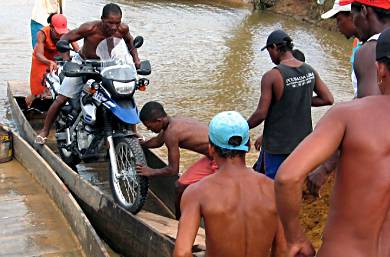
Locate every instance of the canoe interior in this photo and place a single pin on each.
(150, 233)
(38, 214)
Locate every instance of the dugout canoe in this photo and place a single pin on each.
(38, 214)
(151, 233)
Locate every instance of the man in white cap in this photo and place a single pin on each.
(237, 203)
(341, 11)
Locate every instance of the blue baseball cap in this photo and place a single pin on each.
(226, 125)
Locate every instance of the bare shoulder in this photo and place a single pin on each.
(123, 29)
(359, 104)
(179, 122)
(88, 27)
(196, 190)
(272, 74)
(271, 78)
(265, 183)
(365, 51)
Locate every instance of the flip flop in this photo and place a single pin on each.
(40, 140)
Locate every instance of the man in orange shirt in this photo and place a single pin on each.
(44, 53)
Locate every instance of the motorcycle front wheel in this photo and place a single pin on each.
(128, 188)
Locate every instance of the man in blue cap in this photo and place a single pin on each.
(236, 203)
(285, 103)
(359, 215)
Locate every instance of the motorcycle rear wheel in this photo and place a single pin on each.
(128, 188)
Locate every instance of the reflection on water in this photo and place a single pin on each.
(205, 58)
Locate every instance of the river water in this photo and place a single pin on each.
(205, 58)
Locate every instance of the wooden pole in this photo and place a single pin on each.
(60, 5)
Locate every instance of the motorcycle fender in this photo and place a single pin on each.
(128, 133)
(127, 114)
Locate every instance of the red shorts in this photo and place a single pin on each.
(197, 171)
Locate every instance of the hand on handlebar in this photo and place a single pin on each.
(137, 64)
(52, 66)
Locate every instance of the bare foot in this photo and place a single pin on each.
(29, 99)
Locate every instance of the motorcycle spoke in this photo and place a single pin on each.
(127, 181)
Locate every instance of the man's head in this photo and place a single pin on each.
(58, 25)
(383, 60)
(111, 18)
(341, 11)
(278, 43)
(153, 116)
(368, 15)
(228, 135)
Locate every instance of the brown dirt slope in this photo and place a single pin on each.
(307, 10)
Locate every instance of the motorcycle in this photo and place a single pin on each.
(105, 115)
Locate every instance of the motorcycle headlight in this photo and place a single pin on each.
(124, 88)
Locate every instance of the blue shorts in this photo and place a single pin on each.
(35, 27)
(269, 163)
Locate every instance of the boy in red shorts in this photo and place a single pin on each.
(176, 132)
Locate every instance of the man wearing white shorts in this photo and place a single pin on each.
(93, 33)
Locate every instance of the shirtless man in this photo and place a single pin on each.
(176, 132)
(359, 214)
(93, 33)
(237, 203)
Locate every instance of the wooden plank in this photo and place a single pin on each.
(169, 227)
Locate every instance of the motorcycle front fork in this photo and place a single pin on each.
(110, 141)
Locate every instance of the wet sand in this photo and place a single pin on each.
(31, 224)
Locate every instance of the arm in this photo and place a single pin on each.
(323, 95)
(66, 56)
(264, 102)
(83, 31)
(129, 42)
(155, 142)
(39, 51)
(188, 224)
(279, 245)
(320, 175)
(365, 70)
(314, 150)
(172, 143)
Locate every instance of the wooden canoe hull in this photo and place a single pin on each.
(61, 196)
(123, 231)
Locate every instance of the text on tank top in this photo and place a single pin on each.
(288, 120)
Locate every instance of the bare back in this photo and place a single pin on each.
(190, 133)
(359, 212)
(239, 212)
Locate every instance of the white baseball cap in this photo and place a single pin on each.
(339, 6)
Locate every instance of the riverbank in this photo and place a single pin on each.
(306, 10)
